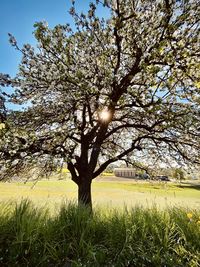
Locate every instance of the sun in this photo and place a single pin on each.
(104, 115)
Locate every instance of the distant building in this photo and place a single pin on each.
(125, 172)
(129, 173)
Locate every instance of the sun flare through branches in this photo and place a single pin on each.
(104, 115)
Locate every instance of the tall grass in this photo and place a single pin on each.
(30, 236)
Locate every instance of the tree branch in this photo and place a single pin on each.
(118, 157)
(72, 170)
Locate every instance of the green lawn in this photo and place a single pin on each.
(105, 192)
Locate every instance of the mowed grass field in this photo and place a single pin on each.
(106, 191)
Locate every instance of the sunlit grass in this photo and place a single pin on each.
(106, 193)
(31, 236)
(129, 226)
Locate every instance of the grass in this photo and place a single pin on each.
(132, 231)
(105, 193)
(147, 237)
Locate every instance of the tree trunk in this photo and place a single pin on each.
(84, 193)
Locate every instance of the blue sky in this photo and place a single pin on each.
(18, 17)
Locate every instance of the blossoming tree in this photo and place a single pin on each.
(2, 109)
(109, 90)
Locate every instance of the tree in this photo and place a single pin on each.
(2, 109)
(111, 90)
(179, 174)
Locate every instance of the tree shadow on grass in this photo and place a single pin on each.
(190, 186)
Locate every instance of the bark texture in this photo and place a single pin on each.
(84, 193)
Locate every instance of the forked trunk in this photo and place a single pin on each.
(84, 193)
